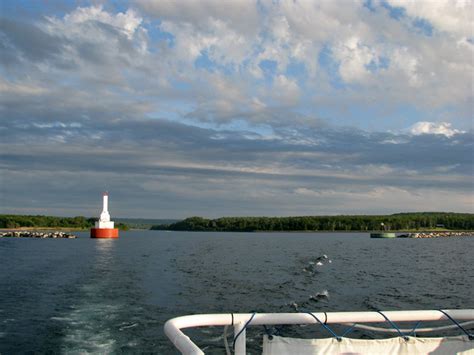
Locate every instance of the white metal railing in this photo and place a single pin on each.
(173, 327)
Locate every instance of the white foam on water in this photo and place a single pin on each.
(216, 339)
(132, 344)
(87, 330)
(62, 319)
(89, 324)
(128, 326)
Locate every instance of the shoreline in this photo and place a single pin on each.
(62, 229)
(323, 231)
(449, 234)
(405, 233)
(29, 229)
(40, 235)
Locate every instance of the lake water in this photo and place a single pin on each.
(112, 296)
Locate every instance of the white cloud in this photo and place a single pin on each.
(379, 192)
(381, 54)
(57, 125)
(221, 43)
(112, 53)
(443, 128)
(354, 57)
(407, 65)
(109, 86)
(452, 16)
(285, 90)
(27, 89)
(94, 37)
(374, 199)
(127, 22)
(240, 15)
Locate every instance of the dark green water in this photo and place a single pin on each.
(113, 296)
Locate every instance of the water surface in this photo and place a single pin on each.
(88, 295)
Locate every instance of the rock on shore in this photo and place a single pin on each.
(43, 235)
(436, 234)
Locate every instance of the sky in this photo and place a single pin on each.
(236, 108)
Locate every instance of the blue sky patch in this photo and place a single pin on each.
(297, 70)
(423, 26)
(379, 64)
(396, 13)
(156, 34)
(331, 67)
(269, 68)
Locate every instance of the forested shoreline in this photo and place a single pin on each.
(38, 221)
(394, 222)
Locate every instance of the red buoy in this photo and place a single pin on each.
(104, 233)
(104, 228)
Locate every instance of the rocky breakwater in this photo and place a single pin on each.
(437, 234)
(24, 234)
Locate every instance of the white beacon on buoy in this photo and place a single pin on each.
(104, 227)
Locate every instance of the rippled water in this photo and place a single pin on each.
(88, 295)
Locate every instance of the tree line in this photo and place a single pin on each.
(399, 221)
(79, 222)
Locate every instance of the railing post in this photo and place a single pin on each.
(240, 342)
